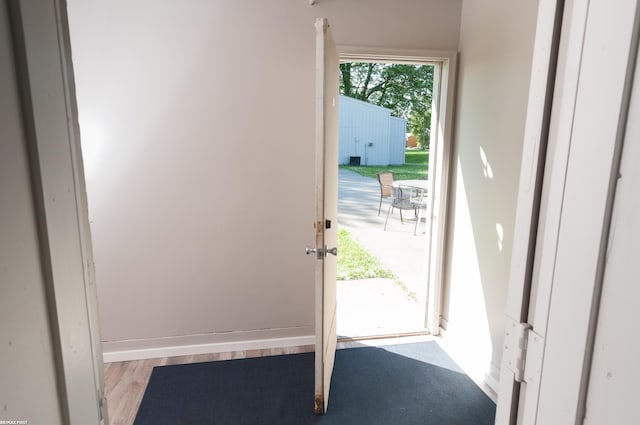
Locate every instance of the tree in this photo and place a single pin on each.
(405, 89)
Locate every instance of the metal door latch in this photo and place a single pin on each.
(322, 252)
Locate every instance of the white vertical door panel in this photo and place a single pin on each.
(555, 169)
(327, 68)
(434, 241)
(530, 185)
(612, 396)
(584, 141)
(575, 273)
(45, 72)
(28, 369)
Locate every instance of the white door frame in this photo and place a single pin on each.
(47, 92)
(445, 63)
(534, 151)
(588, 141)
(561, 258)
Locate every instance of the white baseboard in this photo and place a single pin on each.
(138, 349)
(492, 380)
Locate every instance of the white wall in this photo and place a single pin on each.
(496, 42)
(27, 370)
(197, 126)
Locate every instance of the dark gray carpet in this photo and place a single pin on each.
(406, 384)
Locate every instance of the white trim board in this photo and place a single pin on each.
(42, 51)
(186, 345)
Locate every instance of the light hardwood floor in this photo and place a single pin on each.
(125, 382)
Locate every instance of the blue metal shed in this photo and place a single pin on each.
(370, 133)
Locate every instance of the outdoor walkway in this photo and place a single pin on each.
(380, 306)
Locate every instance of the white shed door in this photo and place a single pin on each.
(327, 68)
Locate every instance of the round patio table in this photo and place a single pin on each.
(418, 184)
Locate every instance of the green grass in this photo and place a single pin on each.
(354, 262)
(415, 167)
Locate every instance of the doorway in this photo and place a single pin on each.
(399, 294)
(385, 121)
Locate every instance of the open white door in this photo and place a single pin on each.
(327, 64)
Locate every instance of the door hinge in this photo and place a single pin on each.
(523, 351)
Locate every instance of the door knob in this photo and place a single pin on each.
(319, 253)
(328, 251)
(322, 252)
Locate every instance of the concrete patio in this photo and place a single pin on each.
(380, 306)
